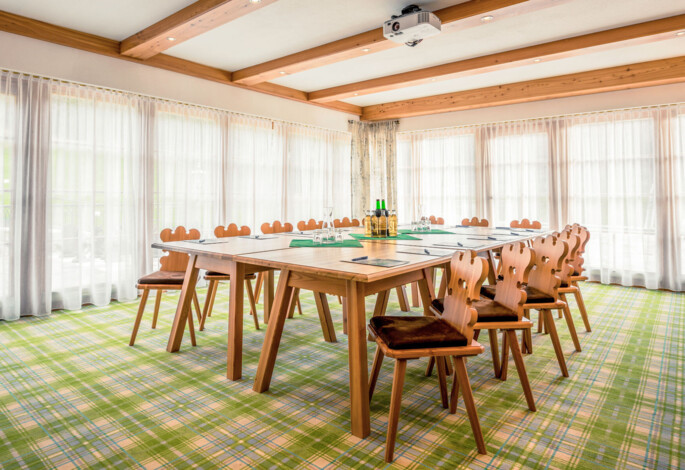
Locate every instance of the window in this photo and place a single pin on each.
(7, 154)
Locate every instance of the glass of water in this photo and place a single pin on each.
(318, 237)
(415, 225)
(338, 235)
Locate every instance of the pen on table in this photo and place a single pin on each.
(202, 240)
(360, 258)
(426, 251)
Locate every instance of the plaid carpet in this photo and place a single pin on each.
(73, 394)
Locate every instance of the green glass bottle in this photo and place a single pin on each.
(376, 220)
(384, 220)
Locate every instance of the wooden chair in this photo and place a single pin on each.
(542, 293)
(573, 238)
(214, 277)
(525, 223)
(505, 312)
(346, 222)
(169, 277)
(405, 338)
(578, 269)
(475, 222)
(437, 220)
(311, 224)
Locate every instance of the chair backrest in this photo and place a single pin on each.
(437, 220)
(584, 235)
(468, 271)
(573, 242)
(517, 260)
(476, 222)
(346, 222)
(174, 261)
(550, 253)
(231, 230)
(311, 224)
(525, 223)
(276, 227)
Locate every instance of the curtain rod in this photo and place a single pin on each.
(542, 118)
(166, 100)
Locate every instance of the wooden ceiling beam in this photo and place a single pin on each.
(371, 41)
(641, 33)
(35, 29)
(191, 21)
(644, 74)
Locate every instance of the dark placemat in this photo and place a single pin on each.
(311, 244)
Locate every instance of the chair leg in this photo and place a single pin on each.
(340, 299)
(299, 305)
(469, 403)
(571, 325)
(209, 303)
(191, 327)
(442, 380)
(520, 368)
(402, 297)
(292, 303)
(158, 300)
(325, 319)
(198, 311)
(344, 315)
(375, 371)
(442, 290)
(258, 286)
(415, 297)
(395, 405)
(494, 349)
(549, 321)
(429, 366)
(139, 317)
(253, 305)
(540, 321)
(504, 366)
(454, 395)
(581, 306)
(476, 334)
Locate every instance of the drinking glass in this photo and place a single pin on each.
(415, 226)
(318, 237)
(327, 225)
(338, 235)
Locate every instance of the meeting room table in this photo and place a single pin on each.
(327, 270)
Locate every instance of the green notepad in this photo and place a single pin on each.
(433, 231)
(400, 236)
(310, 243)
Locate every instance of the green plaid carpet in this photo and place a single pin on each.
(73, 394)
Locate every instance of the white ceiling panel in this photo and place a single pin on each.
(639, 53)
(290, 26)
(563, 20)
(111, 19)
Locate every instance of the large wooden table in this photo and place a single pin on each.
(324, 270)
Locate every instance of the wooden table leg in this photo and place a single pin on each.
(183, 308)
(234, 355)
(427, 291)
(268, 294)
(274, 330)
(359, 382)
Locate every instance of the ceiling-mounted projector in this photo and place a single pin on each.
(412, 26)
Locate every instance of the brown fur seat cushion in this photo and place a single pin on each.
(416, 332)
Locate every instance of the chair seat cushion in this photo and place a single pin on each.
(416, 332)
(535, 296)
(488, 291)
(163, 277)
(491, 311)
(217, 273)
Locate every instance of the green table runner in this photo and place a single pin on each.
(400, 236)
(310, 243)
(433, 231)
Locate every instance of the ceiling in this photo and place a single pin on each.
(289, 26)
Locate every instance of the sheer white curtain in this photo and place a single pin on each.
(620, 173)
(94, 194)
(437, 169)
(317, 173)
(89, 177)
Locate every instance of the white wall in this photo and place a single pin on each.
(42, 58)
(648, 96)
